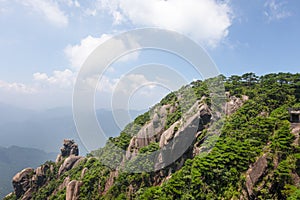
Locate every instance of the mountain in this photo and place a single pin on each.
(14, 159)
(13, 114)
(25, 128)
(222, 138)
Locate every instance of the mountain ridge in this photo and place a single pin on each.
(252, 152)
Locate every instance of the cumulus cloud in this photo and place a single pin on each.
(78, 53)
(207, 21)
(17, 87)
(49, 9)
(63, 79)
(276, 10)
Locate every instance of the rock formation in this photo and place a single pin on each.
(254, 173)
(29, 180)
(69, 148)
(234, 103)
(22, 182)
(73, 190)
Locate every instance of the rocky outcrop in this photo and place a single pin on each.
(28, 181)
(72, 191)
(177, 140)
(22, 181)
(150, 132)
(69, 163)
(69, 148)
(234, 103)
(255, 173)
(110, 181)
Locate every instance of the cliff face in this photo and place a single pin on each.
(192, 152)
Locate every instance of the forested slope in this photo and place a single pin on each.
(249, 151)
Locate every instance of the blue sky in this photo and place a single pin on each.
(44, 42)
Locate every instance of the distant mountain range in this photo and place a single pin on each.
(14, 159)
(46, 129)
(26, 136)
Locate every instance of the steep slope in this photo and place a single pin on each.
(14, 159)
(252, 152)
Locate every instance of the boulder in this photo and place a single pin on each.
(22, 181)
(69, 163)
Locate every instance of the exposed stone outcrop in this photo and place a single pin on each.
(28, 181)
(69, 148)
(234, 103)
(178, 139)
(69, 163)
(22, 181)
(254, 174)
(73, 189)
(150, 132)
(110, 181)
(83, 172)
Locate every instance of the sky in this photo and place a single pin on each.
(43, 44)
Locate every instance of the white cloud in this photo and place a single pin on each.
(63, 79)
(130, 83)
(16, 87)
(207, 21)
(48, 9)
(78, 53)
(276, 10)
(71, 3)
(106, 84)
(59, 80)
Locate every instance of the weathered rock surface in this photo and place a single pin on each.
(22, 181)
(73, 189)
(234, 103)
(69, 148)
(150, 132)
(254, 174)
(178, 139)
(69, 163)
(28, 181)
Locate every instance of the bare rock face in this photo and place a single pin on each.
(69, 163)
(175, 141)
(39, 178)
(73, 189)
(83, 172)
(69, 148)
(22, 181)
(234, 103)
(254, 173)
(150, 132)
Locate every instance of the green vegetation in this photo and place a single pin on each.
(259, 127)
